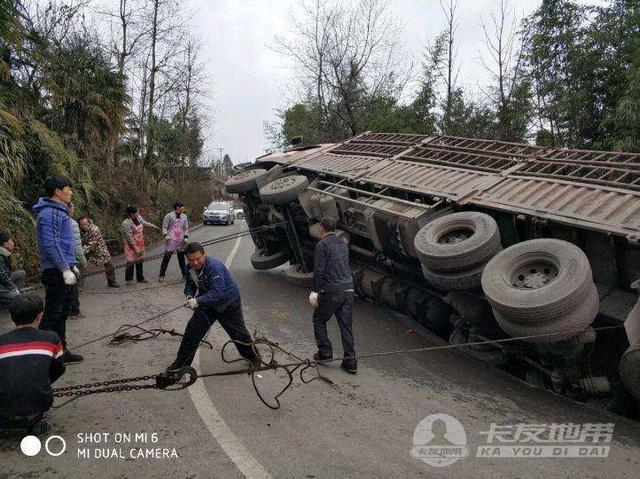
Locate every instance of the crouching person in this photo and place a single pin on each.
(30, 360)
(10, 281)
(214, 296)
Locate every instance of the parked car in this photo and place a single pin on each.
(239, 212)
(218, 213)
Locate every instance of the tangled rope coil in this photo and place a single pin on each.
(290, 369)
(121, 335)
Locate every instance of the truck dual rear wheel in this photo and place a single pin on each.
(458, 241)
(261, 259)
(244, 181)
(454, 280)
(296, 277)
(629, 368)
(541, 286)
(283, 190)
(453, 249)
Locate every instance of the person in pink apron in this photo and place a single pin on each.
(133, 228)
(175, 228)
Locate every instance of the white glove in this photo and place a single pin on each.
(69, 277)
(192, 303)
(76, 271)
(313, 299)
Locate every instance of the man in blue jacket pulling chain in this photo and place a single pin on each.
(214, 296)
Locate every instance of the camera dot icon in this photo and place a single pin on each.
(30, 445)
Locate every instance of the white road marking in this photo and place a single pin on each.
(234, 250)
(230, 444)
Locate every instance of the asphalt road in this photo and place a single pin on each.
(359, 426)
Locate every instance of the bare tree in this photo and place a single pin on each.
(505, 53)
(450, 76)
(191, 79)
(505, 47)
(128, 29)
(163, 46)
(309, 48)
(350, 57)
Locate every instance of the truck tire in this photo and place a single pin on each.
(283, 190)
(261, 260)
(458, 241)
(453, 280)
(296, 277)
(629, 369)
(556, 328)
(244, 181)
(536, 280)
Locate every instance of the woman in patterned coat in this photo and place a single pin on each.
(95, 249)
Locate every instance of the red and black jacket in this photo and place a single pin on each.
(30, 360)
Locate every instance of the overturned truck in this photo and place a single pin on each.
(477, 240)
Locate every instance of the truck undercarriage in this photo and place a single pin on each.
(526, 255)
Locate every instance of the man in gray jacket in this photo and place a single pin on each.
(333, 294)
(74, 307)
(10, 281)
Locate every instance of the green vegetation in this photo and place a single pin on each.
(71, 103)
(567, 76)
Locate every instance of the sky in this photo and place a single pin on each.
(250, 81)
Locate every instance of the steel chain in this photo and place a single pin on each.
(58, 391)
(128, 387)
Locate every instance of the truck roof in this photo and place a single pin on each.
(597, 190)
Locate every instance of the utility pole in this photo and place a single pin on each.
(219, 168)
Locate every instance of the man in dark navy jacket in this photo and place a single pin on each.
(213, 295)
(30, 360)
(332, 294)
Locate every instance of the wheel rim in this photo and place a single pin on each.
(282, 183)
(534, 274)
(455, 236)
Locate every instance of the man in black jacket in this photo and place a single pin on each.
(30, 360)
(333, 294)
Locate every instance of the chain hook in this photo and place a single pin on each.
(166, 379)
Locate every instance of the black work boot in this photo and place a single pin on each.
(349, 364)
(255, 362)
(111, 277)
(322, 356)
(71, 358)
(177, 364)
